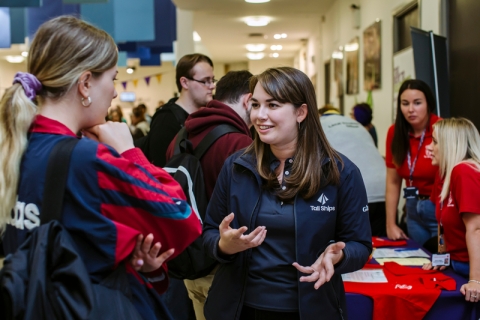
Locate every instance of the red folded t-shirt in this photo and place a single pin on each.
(409, 293)
(379, 242)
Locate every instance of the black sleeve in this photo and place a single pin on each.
(163, 129)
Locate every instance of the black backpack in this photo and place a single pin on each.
(45, 278)
(185, 168)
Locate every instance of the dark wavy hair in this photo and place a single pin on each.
(401, 142)
(289, 85)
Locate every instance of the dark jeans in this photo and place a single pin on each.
(249, 313)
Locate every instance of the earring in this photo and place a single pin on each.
(89, 101)
(299, 125)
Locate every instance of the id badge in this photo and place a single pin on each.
(441, 259)
(410, 193)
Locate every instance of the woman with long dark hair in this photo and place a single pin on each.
(407, 159)
(310, 198)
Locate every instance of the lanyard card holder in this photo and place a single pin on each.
(442, 258)
(410, 193)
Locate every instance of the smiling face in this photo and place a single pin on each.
(102, 93)
(414, 108)
(276, 123)
(433, 149)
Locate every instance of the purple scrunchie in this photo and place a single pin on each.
(29, 82)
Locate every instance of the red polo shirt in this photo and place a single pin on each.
(424, 173)
(463, 197)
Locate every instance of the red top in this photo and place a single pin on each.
(424, 173)
(463, 197)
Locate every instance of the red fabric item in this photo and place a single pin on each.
(380, 242)
(409, 293)
(424, 173)
(43, 124)
(463, 197)
(200, 123)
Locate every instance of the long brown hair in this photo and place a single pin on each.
(401, 142)
(289, 85)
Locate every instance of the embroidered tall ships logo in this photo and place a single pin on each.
(322, 199)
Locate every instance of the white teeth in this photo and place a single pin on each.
(264, 127)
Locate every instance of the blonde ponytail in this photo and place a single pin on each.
(16, 116)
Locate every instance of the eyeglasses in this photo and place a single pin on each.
(207, 82)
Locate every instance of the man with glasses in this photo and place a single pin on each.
(195, 82)
(230, 106)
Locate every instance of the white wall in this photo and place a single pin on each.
(150, 94)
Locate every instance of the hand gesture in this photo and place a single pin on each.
(471, 291)
(234, 240)
(115, 134)
(395, 233)
(145, 257)
(323, 269)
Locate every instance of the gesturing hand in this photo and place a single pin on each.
(234, 240)
(323, 269)
(145, 257)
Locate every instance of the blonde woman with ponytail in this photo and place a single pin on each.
(115, 200)
(455, 150)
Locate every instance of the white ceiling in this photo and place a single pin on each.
(224, 34)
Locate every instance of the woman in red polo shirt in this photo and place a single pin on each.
(456, 151)
(407, 158)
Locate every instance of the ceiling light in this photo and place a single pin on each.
(274, 55)
(130, 70)
(351, 47)
(257, 1)
(15, 59)
(25, 54)
(337, 55)
(255, 56)
(196, 37)
(280, 36)
(255, 47)
(276, 47)
(257, 21)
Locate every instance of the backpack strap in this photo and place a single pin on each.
(211, 137)
(56, 179)
(182, 144)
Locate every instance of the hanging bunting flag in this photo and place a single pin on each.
(124, 84)
(159, 77)
(147, 80)
(135, 82)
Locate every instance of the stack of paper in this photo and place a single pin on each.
(405, 257)
(366, 275)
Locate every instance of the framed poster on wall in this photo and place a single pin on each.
(372, 57)
(351, 54)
